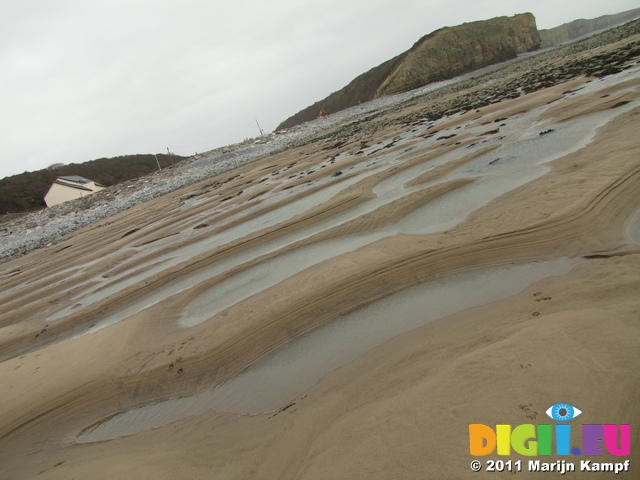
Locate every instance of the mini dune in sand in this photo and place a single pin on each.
(342, 309)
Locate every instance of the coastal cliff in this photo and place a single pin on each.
(440, 55)
(452, 51)
(578, 28)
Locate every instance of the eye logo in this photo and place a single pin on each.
(563, 412)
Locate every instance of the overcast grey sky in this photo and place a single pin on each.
(83, 79)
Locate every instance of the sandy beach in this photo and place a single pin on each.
(345, 308)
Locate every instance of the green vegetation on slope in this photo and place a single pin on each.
(26, 191)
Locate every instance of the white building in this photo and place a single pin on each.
(69, 188)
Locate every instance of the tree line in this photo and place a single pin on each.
(25, 192)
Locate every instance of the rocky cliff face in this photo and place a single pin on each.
(440, 55)
(579, 28)
(452, 51)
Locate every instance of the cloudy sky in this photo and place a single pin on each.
(82, 79)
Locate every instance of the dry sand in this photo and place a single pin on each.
(94, 326)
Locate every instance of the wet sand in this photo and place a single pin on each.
(157, 330)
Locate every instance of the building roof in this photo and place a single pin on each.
(75, 178)
(72, 185)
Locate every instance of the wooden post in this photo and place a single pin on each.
(158, 163)
(261, 132)
(170, 155)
